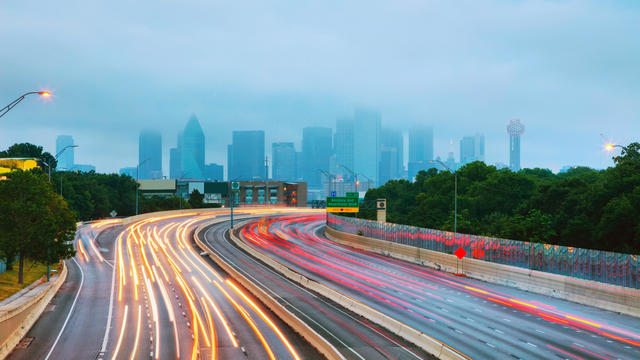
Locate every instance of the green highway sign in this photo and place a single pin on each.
(353, 195)
(235, 185)
(342, 204)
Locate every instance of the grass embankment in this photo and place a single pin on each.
(32, 271)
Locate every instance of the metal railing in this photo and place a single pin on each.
(603, 266)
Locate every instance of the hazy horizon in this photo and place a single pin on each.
(567, 69)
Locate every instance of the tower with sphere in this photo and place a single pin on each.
(515, 129)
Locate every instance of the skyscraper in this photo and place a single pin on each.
(420, 150)
(192, 150)
(150, 154)
(467, 150)
(316, 151)
(391, 155)
(213, 172)
(515, 129)
(283, 167)
(246, 154)
(66, 159)
(175, 163)
(366, 144)
(343, 145)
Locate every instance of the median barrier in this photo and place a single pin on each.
(605, 296)
(422, 340)
(19, 312)
(317, 341)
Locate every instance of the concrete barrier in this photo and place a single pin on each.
(605, 296)
(317, 341)
(422, 340)
(19, 312)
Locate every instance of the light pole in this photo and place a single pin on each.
(232, 197)
(56, 158)
(329, 176)
(138, 181)
(15, 102)
(610, 147)
(455, 197)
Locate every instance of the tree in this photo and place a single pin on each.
(29, 150)
(196, 199)
(36, 224)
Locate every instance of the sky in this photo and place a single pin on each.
(570, 70)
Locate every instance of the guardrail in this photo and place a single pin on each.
(19, 312)
(602, 266)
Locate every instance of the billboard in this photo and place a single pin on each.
(8, 165)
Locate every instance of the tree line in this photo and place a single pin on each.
(583, 207)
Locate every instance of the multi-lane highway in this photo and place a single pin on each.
(353, 336)
(481, 320)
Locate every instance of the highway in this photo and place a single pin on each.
(480, 320)
(169, 303)
(353, 336)
(73, 324)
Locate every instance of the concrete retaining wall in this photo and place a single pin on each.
(425, 342)
(19, 312)
(317, 341)
(601, 295)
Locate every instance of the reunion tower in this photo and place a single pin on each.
(515, 129)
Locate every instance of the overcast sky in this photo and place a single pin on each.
(570, 70)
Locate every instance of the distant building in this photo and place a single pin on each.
(192, 150)
(515, 129)
(150, 154)
(129, 171)
(566, 168)
(246, 155)
(316, 151)
(343, 145)
(366, 144)
(213, 172)
(284, 161)
(391, 155)
(420, 150)
(66, 160)
(175, 163)
(299, 166)
(500, 165)
(472, 149)
(83, 168)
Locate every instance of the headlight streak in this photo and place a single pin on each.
(82, 250)
(266, 319)
(154, 312)
(169, 307)
(137, 340)
(249, 320)
(214, 343)
(218, 313)
(122, 328)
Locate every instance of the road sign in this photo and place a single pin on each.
(113, 213)
(342, 204)
(333, 194)
(353, 195)
(235, 186)
(381, 204)
(460, 253)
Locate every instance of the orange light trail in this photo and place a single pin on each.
(124, 325)
(219, 314)
(135, 344)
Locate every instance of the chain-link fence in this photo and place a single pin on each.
(603, 266)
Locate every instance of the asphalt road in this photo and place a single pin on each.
(481, 320)
(353, 336)
(73, 324)
(169, 303)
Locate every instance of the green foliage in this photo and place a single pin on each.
(583, 207)
(36, 223)
(29, 150)
(196, 199)
(157, 203)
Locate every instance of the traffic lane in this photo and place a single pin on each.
(441, 314)
(230, 297)
(153, 245)
(354, 336)
(83, 333)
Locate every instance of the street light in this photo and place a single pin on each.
(56, 158)
(455, 197)
(15, 102)
(609, 147)
(329, 176)
(138, 181)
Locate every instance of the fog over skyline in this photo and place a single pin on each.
(568, 69)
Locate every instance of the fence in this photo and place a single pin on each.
(604, 266)
(3, 266)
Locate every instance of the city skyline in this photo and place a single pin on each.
(500, 62)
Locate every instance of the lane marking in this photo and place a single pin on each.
(73, 305)
(113, 281)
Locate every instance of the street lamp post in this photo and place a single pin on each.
(329, 176)
(610, 147)
(455, 197)
(56, 158)
(138, 181)
(15, 102)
